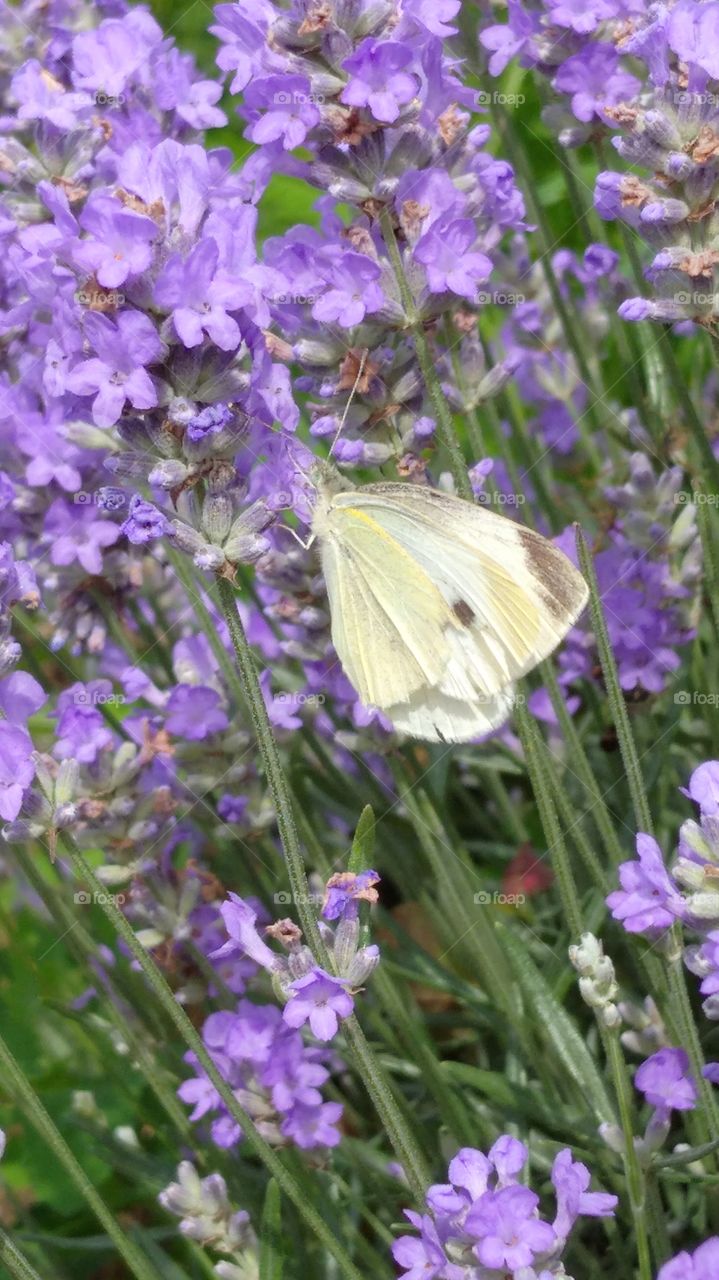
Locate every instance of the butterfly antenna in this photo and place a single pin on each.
(358, 379)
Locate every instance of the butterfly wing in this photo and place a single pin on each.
(389, 620)
(435, 716)
(511, 594)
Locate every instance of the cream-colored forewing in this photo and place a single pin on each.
(389, 620)
(436, 717)
(512, 595)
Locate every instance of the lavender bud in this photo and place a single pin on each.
(169, 474)
(217, 517)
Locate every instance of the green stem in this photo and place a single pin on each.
(194, 1041)
(617, 705)
(15, 1261)
(691, 417)
(136, 1263)
(556, 847)
(681, 1017)
(443, 417)
(378, 1087)
(636, 1185)
(581, 766)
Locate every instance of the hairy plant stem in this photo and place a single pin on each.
(443, 417)
(581, 767)
(19, 1085)
(373, 1075)
(636, 1183)
(542, 788)
(15, 1261)
(617, 705)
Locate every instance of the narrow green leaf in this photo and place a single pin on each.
(271, 1239)
(688, 1156)
(557, 1028)
(362, 851)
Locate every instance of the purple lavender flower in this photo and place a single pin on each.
(290, 114)
(595, 80)
(276, 1075)
(353, 292)
(444, 252)
(81, 731)
(666, 1082)
(76, 533)
(187, 287)
(648, 901)
(702, 1264)
(120, 243)
(509, 1232)
(345, 891)
(486, 1210)
(17, 769)
(144, 522)
(378, 79)
(240, 922)
(319, 999)
(704, 788)
(117, 373)
(20, 697)
(194, 713)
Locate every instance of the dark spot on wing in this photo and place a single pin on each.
(547, 567)
(463, 612)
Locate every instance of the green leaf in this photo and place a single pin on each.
(271, 1238)
(554, 1024)
(687, 1157)
(362, 851)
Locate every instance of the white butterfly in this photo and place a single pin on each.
(437, 605)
